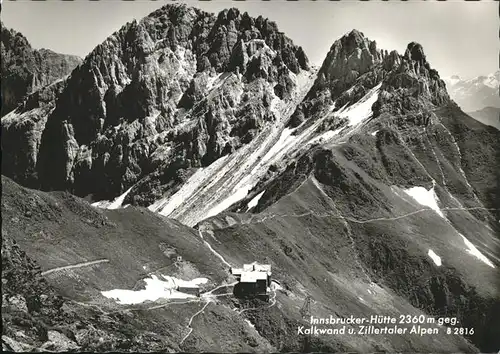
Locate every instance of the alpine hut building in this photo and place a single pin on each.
(254, 281)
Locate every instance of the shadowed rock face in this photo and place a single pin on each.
(24, 69)
(22, 132)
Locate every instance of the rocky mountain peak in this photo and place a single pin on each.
(349, 57)
(414, 51)
(180, 87)
(174, 12)
(24, 69)
(354, 66)
(355, 40)
(392, 61)
(410, 84)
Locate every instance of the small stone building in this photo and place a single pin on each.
(189, 289)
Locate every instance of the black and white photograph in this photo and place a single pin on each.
(250, 176)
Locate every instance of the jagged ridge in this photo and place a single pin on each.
(145, 87)
(24, 69)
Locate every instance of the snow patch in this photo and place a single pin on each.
(434, 257)
(249, 323)
(155, 289)
(284, 140)
(254, 201)
(362, 109)
(238, 195)
(476, 253)
(425, 197)
(166, 206)
(214, 81)
(324, 137)
(115, 204)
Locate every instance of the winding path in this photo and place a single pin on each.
(78, 265)
(191, 320)
(335, 216)
(272, 301)
(213, 251)
(217, 288)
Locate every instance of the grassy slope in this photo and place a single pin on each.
(362, 179)
(315, 255)
(58, 229)
(480, 153)
(348, 267)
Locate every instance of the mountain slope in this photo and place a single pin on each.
(390, 104)
(361, 182)
(58, 230)
(139, 245)
(488, 116)
(365, 263)
(24, 69)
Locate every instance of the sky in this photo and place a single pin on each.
(458, 37)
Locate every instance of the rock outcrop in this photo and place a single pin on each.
(413, 86)
(22, 131)
(24, 69)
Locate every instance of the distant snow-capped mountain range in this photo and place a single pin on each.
(476, 93)
(478, 96)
